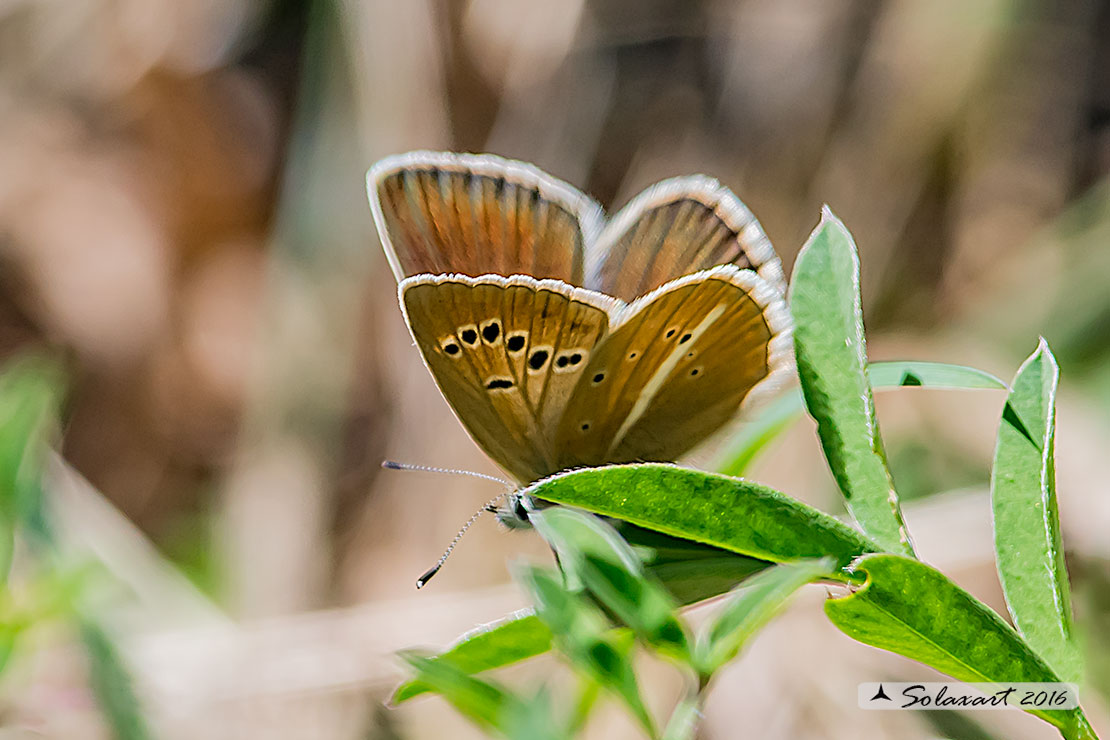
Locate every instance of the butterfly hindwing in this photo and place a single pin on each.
(441, 213)
(507, 354)
(676, 366)
(675, 228)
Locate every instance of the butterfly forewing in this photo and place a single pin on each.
(441, 213)
(507, 354)
(675, 228)
(676, 366)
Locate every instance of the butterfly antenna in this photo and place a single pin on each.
(490, 506)
(394, 465)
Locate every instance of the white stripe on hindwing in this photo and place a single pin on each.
(653, 386)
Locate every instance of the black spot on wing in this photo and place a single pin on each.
(491, 331)
(538, 359)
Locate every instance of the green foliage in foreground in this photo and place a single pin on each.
(51, 589)
(596, 625)
(682, 535)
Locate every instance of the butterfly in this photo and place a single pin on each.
(562, 339)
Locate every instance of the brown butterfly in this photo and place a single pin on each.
(562, 340)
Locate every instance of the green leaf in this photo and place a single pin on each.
(565, 612)
(518, 636)
(573, 534)
(690, 571)
(580, 634)
(911, 609)
(832, 367)
(111, 684)
(728, 513)
(751, 607)
(639, 603)
(485, 703)
(588, 691)
(597, 557)
(1026, 523)
(692, 581)
(756, 435)
(935, 375)
(534, 720)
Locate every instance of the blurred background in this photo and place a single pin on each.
(183, 221)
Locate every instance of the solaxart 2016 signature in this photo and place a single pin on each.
(958, 695)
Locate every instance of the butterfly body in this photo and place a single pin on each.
(561, 341)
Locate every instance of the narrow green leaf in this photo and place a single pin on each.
(111, 684)
(935, 375)
(565, 612)
(486, 704)
(638, 603)
(832, 367)
(728, 513)
(510, 640)
(1026, 522)
(756, 435)
(588, 692)
(580, 634)
(595, 555)
(534, 719)
(573, 534)
(911, 609)
(751, 607)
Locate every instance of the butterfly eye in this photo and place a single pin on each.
(516, 342)
(685, 338)
(695, 371)
(671, 332)
(599, 377)
(469, 334)
(450, 346)
(491, 331)
(499, 384)
(585, 426)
